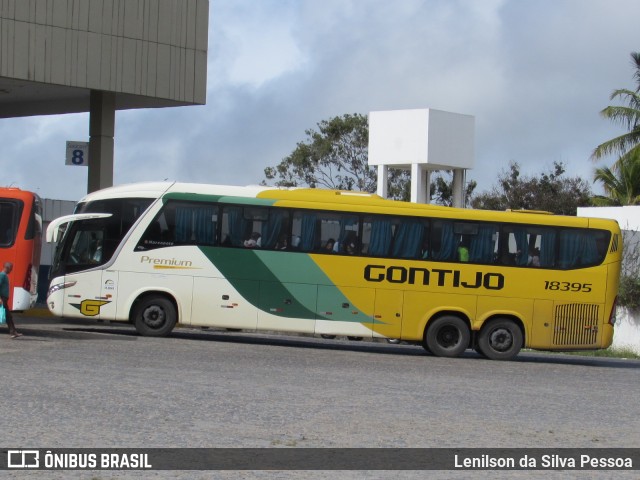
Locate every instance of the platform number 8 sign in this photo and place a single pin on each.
(77, 154)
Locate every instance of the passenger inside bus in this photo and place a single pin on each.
(282, 243)
(463, 249)
(328, 247)
(534, 257)
(349, 244)
(253, 241)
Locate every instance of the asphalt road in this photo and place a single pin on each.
(73, 384)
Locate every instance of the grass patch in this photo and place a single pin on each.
(618, 352)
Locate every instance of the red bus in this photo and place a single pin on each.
(21, 243)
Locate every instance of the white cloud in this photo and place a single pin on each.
(534, 75)
(253, 41)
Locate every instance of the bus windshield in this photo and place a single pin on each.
(91, 242)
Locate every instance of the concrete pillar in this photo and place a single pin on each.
(419, 184)
(458, 188)
(102, 119)
(383, 181)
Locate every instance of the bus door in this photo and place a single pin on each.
(387, 315)
(84, 250)
(108, 294)
(345, 311)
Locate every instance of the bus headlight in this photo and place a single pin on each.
(59, 286)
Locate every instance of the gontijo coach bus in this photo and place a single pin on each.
(337, 263)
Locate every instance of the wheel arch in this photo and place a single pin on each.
(148, 293)
(443, 313)
(506, 316)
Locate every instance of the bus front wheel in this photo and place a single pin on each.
(155, 316)
(447, 336)
(500, 339)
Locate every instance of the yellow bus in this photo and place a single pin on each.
(333, 263)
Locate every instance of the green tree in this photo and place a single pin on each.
(442, 189)
(551, 191)
(333, 157)
(622, 184)
(627, 115)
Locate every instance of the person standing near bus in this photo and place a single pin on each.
(4, 298)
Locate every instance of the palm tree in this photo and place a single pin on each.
(628, 116)
(622, 186)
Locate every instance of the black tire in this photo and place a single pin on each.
(355, 339)
(500, 339)
(326, 336)
(155, 316)
(447, 336)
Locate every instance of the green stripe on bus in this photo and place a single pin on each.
(287, 289)
(198, 197)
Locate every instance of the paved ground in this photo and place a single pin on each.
(87, 384)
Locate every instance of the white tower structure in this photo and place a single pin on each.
(422, 140)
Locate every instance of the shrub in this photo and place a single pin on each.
(629, 292)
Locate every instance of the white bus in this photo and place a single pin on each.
(337, 263)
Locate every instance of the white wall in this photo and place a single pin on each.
(627, 217)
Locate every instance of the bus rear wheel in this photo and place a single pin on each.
(500, 339)
(447, 336)
(155, 316)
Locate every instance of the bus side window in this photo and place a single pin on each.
(305, 231)
(273, 229)
(481, 242)
(235, 228)
(346, 229)
(409, 237)
(579, 248)
(515, 248)
(444, 244)
(377, 236)
(152, 237)
(9, 219)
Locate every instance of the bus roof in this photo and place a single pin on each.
(338, 200)
(15, 192)
(157, 189)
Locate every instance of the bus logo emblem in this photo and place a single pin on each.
(90, 308)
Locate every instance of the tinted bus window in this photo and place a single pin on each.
(255, 227)
(327, 232)
(582, 248)
(10, 212)
(125, 211)
(181, 223)
(398, 237)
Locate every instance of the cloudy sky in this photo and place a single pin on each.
(534, 74)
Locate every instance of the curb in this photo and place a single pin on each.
(35, 312)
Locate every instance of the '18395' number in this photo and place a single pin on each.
(567, 286)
